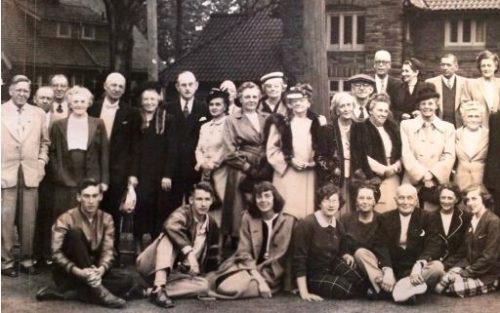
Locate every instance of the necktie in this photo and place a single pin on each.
(361, 113)
(59, 108)
(382, 86)
(20, 126)
(185, 110)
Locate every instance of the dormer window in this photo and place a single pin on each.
(63, 30)
(88, 32)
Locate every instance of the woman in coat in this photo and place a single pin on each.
(210, 150)
(291, 147)
(485, 89)
(244, 155)
(479, 270)
(471, 145)
(153, 164)
(376, 150)
(79, 149)
(405, 103)
(258, 268)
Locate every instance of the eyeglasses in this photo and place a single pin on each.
(361, 84)
(382, 62)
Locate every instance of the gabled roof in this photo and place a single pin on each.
(453, 5)
(233, 46)
(61, 12)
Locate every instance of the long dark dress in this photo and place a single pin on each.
(154, 160)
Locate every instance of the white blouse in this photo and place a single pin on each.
(78, 133)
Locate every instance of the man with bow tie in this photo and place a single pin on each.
(401, 262)
(449, 85)
(25, 144)
(122, 123)
(59, 109)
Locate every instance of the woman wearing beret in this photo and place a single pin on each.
(290, 150)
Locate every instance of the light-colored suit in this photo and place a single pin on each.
(437, 81)
(470, 169)
(475, 89)
(23, 153)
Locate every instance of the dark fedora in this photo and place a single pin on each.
(428, 91)
(217, 93)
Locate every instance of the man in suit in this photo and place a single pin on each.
(383, 81)
(449, 86)
(60, 85)
(122, 123)
(25, 143)
(362, 87)
(186, 248)
(189, 114)
(403, 246)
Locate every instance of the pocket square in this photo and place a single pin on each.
(202, 119)
(125, 122)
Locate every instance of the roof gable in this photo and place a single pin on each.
(453, 5)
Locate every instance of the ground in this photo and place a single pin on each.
(18, 296)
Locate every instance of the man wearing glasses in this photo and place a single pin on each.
(384, 82)
(362, 86)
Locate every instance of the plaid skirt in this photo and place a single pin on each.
(468, 287)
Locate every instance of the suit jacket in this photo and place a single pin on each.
(97, 156)
(437, 81)
(470, 169)
(405, 102)
(474, 89)
(422, 153)
(27, 150)
(492, 170)
(482, 255)
(122, 142)
(188, 131)
(422, 242)
(452, 247)
(392, 87)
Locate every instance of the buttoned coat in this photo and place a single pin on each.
(470, 169)
(437, 81)
(26, 150)
(97, 156)
(392, 87)
(422, 242)
(452, 248)
(474, 89)
(404, 102)
(422, 153)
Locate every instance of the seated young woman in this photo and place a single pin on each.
(319, 266)
(258, 266)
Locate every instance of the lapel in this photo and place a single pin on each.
(256, 234)
(248, 128)
(480, 90)
(92, 129)
(414, 227)
(119, 118)
(29, 120)
(456, 222)
(8, 119)
(439, 89)
(459, 81)
(63, 128)
(482, 223)
(395, 227)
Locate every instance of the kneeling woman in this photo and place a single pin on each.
(479, 271)
(320, 270)
(258, 266)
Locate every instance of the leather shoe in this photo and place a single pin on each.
(29, 270)
(160, 298)
(104, 297)
(10, 272)
(136, 292)
(47, 293)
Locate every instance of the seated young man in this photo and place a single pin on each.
(82, 250)
(403, 252)
(174, 261)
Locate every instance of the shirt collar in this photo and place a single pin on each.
(219, 121)
(322, 220)
(204, 224)
(436, 122)
(110, 105)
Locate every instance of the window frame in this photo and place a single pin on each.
(460, 32)
(342, 81)
(341, 46)
(89, 27)
(60, 34)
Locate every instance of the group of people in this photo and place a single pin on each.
(254, 192)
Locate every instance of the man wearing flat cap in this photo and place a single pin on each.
(273, 86)
(25, 144)
(428, 148)
(362, 86)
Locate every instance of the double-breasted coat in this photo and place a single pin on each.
(470, 168)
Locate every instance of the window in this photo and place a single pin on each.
(338, 84)
(88, 32)
(346, 31)
(464, 32)
(63, 30)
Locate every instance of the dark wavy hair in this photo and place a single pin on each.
(451, 187)
(205, 186)
(326, 192)
(375, 189)
(258, 189)
(483, 192)
(415, 65)
(86, 182)
(486, 54)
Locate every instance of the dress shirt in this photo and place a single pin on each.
(108, 113)
(403, 236)
(474, 221)
(78, 132)
(346, 145)
(381, 83)
(449, 82)
(446, 218)
(190, 103)
(269, 224)
(20, 116)
(59, 115)
(201, 237)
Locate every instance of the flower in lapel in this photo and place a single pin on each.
(422, 233)
(202, 119)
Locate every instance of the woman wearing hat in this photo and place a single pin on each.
(376, 150)
(485, 89)
(274, 87)
(471, 146)
(78, 150)
(428, 148)
(153, 164)
(405, 104)
(210, 151)
(290, 150)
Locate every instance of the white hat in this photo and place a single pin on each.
(272, 75)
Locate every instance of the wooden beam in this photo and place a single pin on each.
(152, 40)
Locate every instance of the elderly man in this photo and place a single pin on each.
(383, 81)
(44, 98)
(362, 86)
(186, 248)
(25, 144)
(273, 86)
(403, 246)
(189, 114)
(449, 86)
(122, 123)
(82, 247)
(60, 85)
